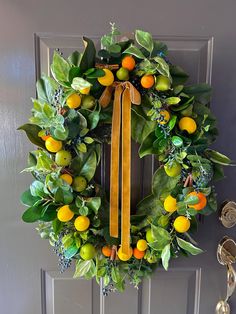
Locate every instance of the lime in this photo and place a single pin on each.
(79, 184)
(87, 251)
(63, 158)
(173, 168)
(88, 102)
(122, 74)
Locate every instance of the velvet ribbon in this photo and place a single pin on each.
(124, 95)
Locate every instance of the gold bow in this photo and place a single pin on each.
(125, 94)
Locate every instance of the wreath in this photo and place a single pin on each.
(128, 89)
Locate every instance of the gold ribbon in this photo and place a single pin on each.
(125, 94)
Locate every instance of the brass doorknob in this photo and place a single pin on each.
(226, 255)
(228, 214)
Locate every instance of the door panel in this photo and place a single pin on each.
(195, 56)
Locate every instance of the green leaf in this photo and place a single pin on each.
(75, 58)
(162, 184)
(63, 197)
(69, 253)
(57, 226)
(133, 50)
(46, 88)
(191, 200)
(178, 75)
(162, 67)
(172, 122)
(85, 164)
(94, 203)
(37, 189)
(201, 92)
(172, 100)
(96, 73)
(218, 158)
(32, 131)
(27, 198)
(32, 214)
(60, 69)
(89, 55)
(83, 267)
(74, 72)
(144, 39)
(146, 148)
(159, 48)
(160, 233)
(189, 247)
(165, 256)
(79, 83)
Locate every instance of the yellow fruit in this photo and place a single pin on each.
(67, 178)
(187, 124)
(107, 79)
(182, 224)
(82, 223)
(64, 213)
(170, 204)
(142, 245)
(73, 101)
(85, 91)
(52, 145)
(165, 117)
(124, 257)
(173, 169)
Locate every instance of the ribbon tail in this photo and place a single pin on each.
(114, 168)
(126, 171)
(105, 98)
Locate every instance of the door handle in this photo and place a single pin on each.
(228, 214)
(226, 255)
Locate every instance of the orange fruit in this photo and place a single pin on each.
(64, 213)
(170, 204)
(73, 101)
(187, 124)
(82, 223)
(202, 200)
(147, 81)
(138, 254)
(52, 145)
(128, 63)
(182, 224)
(166, 117)
(67, 178)
(106, 251)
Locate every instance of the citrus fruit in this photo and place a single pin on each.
(85, 91)
(106, 251)
(82, 223)
(181, 224)
(107, 79)
(79, 184)
(52, 145)
(202, 200)
(147, 81)
(45, 137)
(165, 117)
(64, 213)
(170, 204)
(63, 158)
(73, 101)
(128, 63)
(138, 254)
(162, 83)
(122, 74)
(88, 102)
(149, 236)
(187, 124)
(152, 259)
(67, 178)
(173, 168)
(87, 251)
(124, 257)
(142, 245)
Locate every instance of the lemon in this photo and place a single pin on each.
(124, 257)
(165, 117)
(73, 101)
(107, 79)
(85, 91)
(182, 224)
(87, 251)
(187, 124)
(79, 184)
(52, 145)
(142, 245)
(173, 168)
(82, 223)
(67, 178)
(64, 213)
(170, 204)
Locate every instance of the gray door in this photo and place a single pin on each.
(30, 282)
